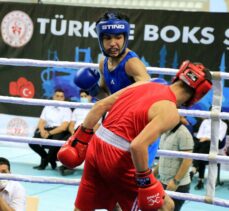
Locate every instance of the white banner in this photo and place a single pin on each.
(17, 125)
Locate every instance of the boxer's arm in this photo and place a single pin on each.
(104, 90)
(162, 116)
(148, 186)
(103, 106)
(136, 69)
(99, 108)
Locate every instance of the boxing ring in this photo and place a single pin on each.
(215, 114)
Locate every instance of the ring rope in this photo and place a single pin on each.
(76, 65)
(188, 196)
(40, 179)
(56, 180)
(28, 140)
(41, 102)
(73, 65)
(47, 142)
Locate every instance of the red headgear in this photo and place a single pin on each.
(197, 77)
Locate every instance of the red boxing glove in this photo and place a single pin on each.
(150, 193)
(73, 152)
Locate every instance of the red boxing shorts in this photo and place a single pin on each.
(108, 178)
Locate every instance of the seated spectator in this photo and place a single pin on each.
(53, 124)
(174, 172)
(78, 116)
(202, 145)
(12, 193)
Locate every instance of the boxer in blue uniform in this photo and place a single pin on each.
(119, 68)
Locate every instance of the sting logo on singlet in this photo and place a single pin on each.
(113, 26)
(155, 199)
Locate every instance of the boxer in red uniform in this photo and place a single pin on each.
(116, 164)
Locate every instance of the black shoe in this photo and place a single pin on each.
(200, 185)
(42, 165)
(64, 171)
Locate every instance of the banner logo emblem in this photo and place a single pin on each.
(16, 28)
(17, 127)
(22, 88)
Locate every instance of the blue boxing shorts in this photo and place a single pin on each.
(152, 152)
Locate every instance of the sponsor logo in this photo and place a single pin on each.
(192, 76)
(112, 82)
(16, 28)
(17, 127)
(154, 199)
(113, 26)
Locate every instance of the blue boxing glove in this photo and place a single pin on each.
(87, 79)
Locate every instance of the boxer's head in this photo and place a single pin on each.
(196, 77)
(113, 23)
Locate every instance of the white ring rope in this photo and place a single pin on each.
(56, 180)
(28, 140)
(41, 102)
(40, 179)
(215, 115)
(192, 197)
(168, 153)
(47, 63)
(73, 65)
(76, 65)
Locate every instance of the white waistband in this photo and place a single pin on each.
(113, 139)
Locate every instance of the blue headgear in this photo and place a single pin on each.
(112, 25)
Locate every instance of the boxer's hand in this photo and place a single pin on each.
(73, 152)
(87, 79)
(150, 193)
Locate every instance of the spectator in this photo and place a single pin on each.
(174, 172)
(53, 124)
(79, 114)
(202, 145)
(12, 193)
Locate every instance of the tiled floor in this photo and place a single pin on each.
(61, 197)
